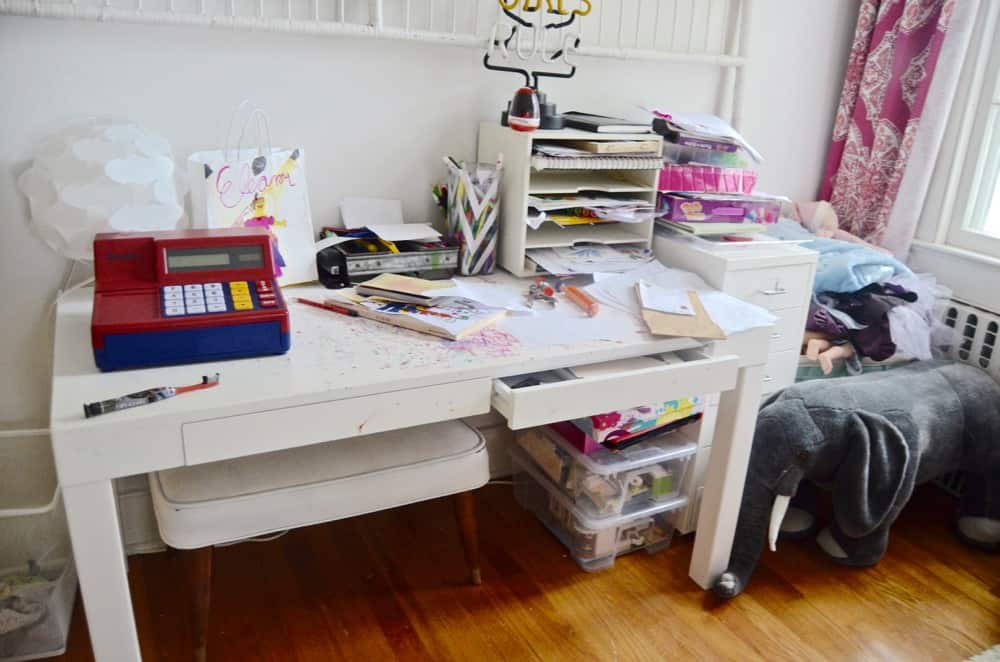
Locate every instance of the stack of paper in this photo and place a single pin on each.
(730, 314)
(565, 157)
(589, 258)
(706, 126)
(463, 293)
(578, 209)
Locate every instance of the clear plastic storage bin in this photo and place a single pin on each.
(606, 483)
(37, 576)
(681, 154)
(593, 543)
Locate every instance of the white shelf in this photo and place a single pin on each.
(576, 181)
(520, 182)
(549, 235)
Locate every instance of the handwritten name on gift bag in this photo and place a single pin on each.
(263, 187)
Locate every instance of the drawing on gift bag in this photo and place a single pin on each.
(257, 187)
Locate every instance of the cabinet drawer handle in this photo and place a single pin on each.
(776, 335)
(776, 290)
(767, 379)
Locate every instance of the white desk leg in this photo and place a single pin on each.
(100, 563)
(720, 502)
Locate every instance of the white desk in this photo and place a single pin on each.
(345, 377)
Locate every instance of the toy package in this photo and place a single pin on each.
(718, 208)
(615, 427)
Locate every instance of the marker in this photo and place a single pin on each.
(146, 397)
(582, 299)
(326, 305)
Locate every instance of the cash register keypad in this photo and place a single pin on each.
(204, 298)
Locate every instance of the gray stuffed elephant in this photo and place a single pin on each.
(870, 439)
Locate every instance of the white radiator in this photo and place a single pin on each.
(977, 341)
(977, 330)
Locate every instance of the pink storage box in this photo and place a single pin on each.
(694, 178)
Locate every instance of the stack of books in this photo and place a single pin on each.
(412, 303)
(708, 177)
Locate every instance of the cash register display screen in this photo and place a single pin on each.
(214, 259)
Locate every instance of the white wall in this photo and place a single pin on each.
(375, 118)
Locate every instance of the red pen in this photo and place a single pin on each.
(326, 305)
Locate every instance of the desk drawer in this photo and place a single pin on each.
(780, 370)
(689, 373)
(788, 329)
(276, 429)
(774, 289)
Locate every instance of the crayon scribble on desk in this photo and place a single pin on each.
(488, 342)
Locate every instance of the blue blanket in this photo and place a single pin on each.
(842, 266)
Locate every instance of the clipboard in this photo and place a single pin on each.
(699, 325)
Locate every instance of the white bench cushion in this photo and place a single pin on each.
(207, 504)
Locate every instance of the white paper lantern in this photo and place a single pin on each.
(100, 176)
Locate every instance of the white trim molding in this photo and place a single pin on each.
(973, 277)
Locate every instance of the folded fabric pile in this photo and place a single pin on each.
(22, 599)
(866, 304)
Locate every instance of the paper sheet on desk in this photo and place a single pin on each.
(331, 241)
(654, 297)
(731, 314)
(404, 231)
(488, 294)
(589, 258)
(566, 325)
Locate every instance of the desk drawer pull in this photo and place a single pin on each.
(768, 379)
(776, 335)
(774, 291)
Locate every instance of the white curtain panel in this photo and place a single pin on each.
(933, 122)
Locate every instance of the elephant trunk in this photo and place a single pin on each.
(761, 512)
(751, 528)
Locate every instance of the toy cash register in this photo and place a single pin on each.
(164, 298)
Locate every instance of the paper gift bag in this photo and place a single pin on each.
(261, 187)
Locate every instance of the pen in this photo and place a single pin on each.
(582, 299)
(326, 305)
(146, 397)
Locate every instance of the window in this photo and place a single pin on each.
(975, 223)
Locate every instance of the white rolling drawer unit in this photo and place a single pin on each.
(779, 278)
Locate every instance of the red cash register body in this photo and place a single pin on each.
(165, 298)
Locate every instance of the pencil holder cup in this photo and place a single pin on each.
(473, 204)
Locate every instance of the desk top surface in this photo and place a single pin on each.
(334, 357)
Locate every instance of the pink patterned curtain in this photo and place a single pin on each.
(896, 46)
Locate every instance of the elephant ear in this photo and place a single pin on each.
(876, 477)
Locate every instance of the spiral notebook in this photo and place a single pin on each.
(542, 162)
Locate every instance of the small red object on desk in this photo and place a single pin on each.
(582, 299)
(326, 305)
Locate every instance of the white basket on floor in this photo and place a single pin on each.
(35, 609)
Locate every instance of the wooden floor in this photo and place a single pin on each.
(390, 586)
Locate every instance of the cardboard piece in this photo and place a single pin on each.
(699, 325)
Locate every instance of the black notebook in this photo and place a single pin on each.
(603, 124)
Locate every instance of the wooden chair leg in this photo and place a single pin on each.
(465, 511)
(201, 593)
